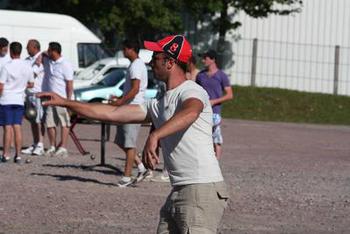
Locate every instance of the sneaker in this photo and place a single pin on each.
(124, 182)
(161, 179)
(39, 150)
(4, 158)
(142, 175)
(17, 159)
(62, 152)
(28, 150)
(50, 151)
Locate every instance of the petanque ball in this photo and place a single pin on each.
(30, 113)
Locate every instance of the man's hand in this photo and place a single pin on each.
(51, 99)
(150, 157)
(114, 101)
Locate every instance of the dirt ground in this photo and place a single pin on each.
(283, 178)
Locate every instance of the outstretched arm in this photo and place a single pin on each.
(189, 113)
(98, 111)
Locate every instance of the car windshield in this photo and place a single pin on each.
(89, 72)
(113, 77)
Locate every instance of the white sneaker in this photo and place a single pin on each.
(125, 182)
(162, 179)
(50, 151)
(142, 175)
(28, 150)
(39, 150)
(62, 152)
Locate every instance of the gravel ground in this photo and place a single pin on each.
(283, 178)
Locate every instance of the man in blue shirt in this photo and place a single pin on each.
(218, 87)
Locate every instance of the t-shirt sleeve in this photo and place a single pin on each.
(136, 70)
(146, 107)
(3, 75)
(225, 82)
(68, 72)
(195, 93)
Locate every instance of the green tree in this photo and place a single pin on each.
(114, 20)
(220, 14)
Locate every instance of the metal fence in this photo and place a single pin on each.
(303, 67)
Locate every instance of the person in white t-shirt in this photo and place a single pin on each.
(4, 56)
(133, 93)
(37, 124)
(15, 77)
(58, 78)
(183, 122)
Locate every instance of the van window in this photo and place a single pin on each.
(91, 52)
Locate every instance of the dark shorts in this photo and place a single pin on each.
(11, 114)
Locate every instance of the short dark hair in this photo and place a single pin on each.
(131, 44)
(36, 43)
(16, 48)
(55, 46)
(211, 54)
(3, 42)
(182, 65)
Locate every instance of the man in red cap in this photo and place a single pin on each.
(183, 126)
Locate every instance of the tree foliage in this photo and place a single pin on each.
(150, 19)
(220, 14)
(112, 19)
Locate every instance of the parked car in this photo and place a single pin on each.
(112, 84)
(96, 72)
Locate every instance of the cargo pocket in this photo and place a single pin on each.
(199, 230)
(222, 191)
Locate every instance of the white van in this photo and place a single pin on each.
(79, 45)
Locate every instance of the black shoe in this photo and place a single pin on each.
(4, 159)
(142, 175)
(17, 159)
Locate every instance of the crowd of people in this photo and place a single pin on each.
(185, 120)
(20, 81)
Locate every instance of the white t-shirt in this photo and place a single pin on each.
(137, 70)
(38, 71)
(15, 76)
(188, 154)
(4, 60)
(56, 73)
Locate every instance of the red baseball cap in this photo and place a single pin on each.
(176, 46)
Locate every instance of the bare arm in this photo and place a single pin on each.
(1, 88)
(135, 86)
(228, 96)
(69, 89)
(98, 111)
(188, 114)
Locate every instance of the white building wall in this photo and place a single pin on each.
(296, 51)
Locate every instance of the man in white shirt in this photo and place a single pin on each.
(133, 93)
(58, 78)
(37, 124)
(183, 122)
(15, 77)
(4, 56)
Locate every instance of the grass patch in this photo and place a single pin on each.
(272, 104)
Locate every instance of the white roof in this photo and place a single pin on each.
(47, 21)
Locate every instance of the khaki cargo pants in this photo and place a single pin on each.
(195, 208)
